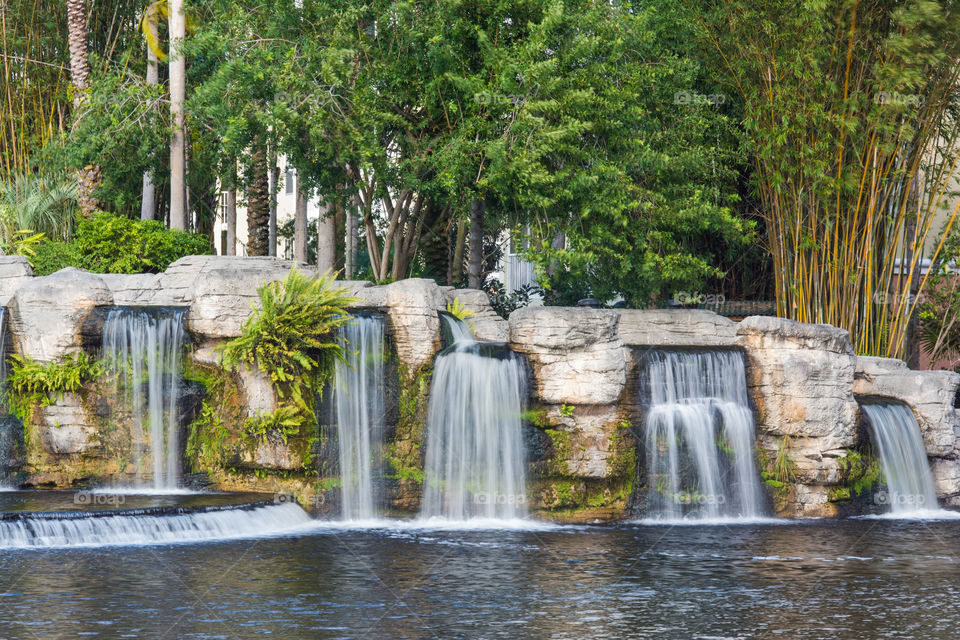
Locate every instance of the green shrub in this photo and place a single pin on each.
(106, 243)
(32, 384)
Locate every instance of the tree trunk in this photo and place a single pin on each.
(231, 248)
(258, 203)
(457, 272)
(148, 204)
(327, 241)
(350, 239)
(88, 178)
(300, 224)
(178, 90)
(274, 178)
(475, 269)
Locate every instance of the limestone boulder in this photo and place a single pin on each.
(801, 378)
(576, 354)
(48, 313)
(144, 289)
(931, 395)
(221, 290)
(946, 480)
(589, 448)
(261, 398)
(487, 323)
(676, 328)
(65, 428)
(414, 323)
(14, 271)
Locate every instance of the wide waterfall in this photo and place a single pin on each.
(359, 405)
(700, 437)
(475, 456)
(147, 526)
(145, 345)
(896, 439)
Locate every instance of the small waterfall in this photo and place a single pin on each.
(475, 456)
(146, 526)
(896, 438)
(144, 347)
(700, 437)
(359, 406)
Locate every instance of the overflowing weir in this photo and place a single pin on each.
(897, 441)
(359, 406)
(475, 457)
(700, 437)
(144, 347)
(146, 526)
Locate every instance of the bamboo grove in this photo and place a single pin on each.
(850, 112)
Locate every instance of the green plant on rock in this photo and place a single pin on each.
(291, 338)
(460, 311)
(858, 473)
(781, 471)
(33, 384)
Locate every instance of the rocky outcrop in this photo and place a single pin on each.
(47, 313)
(800, 377)
(14, 271)
(676, 328)
(413, 305)
(931, 395)
(487, 324)
(576, 354)
(65, 428)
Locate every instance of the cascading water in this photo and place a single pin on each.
(147, 526)
(700, 436)
(145, 346)
(359, 408)
(475, 456)
(895, 436)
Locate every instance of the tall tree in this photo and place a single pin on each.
(178, 90)
(258, 203)
(88, 177)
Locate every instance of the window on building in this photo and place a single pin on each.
(289, 180)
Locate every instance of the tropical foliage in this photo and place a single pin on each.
(291, 338)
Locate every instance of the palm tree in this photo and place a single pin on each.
(88, 178)
(178, 89)
(258, 202)
(32, 207)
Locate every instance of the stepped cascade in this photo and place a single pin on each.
(144, 347)
(359, 405)
(896, 438)
(700, 437)
(475, 455)
(146, 526)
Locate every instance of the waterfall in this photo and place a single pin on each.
(144, 347)
(700, 436)
(147, 526)
(475, 456)
(896, 438)
(359, 408)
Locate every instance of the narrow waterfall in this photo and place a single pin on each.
(359, 405)
(475, 456)
(700, 437)
(896, 438)
(144, 346)
(146, 526)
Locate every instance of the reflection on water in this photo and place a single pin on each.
(863, 578)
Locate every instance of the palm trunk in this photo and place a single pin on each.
(231, 248)
(350, 239)
(178, 90)
(148, 204)
(456, 273)
(88, 178)
(274, 178)
(326, 242)
(258, 203)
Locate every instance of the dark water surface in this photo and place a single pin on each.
(849, 579)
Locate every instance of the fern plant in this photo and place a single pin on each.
(32, 384)
(291, 338)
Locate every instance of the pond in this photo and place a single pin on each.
(853, 578)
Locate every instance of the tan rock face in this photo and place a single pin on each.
(800, 377)
(930, 394)
(47, 313)
(487, 325)
(576, 355)
(65, 428)
(14, 271)
(414, 323)
(676, 328)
